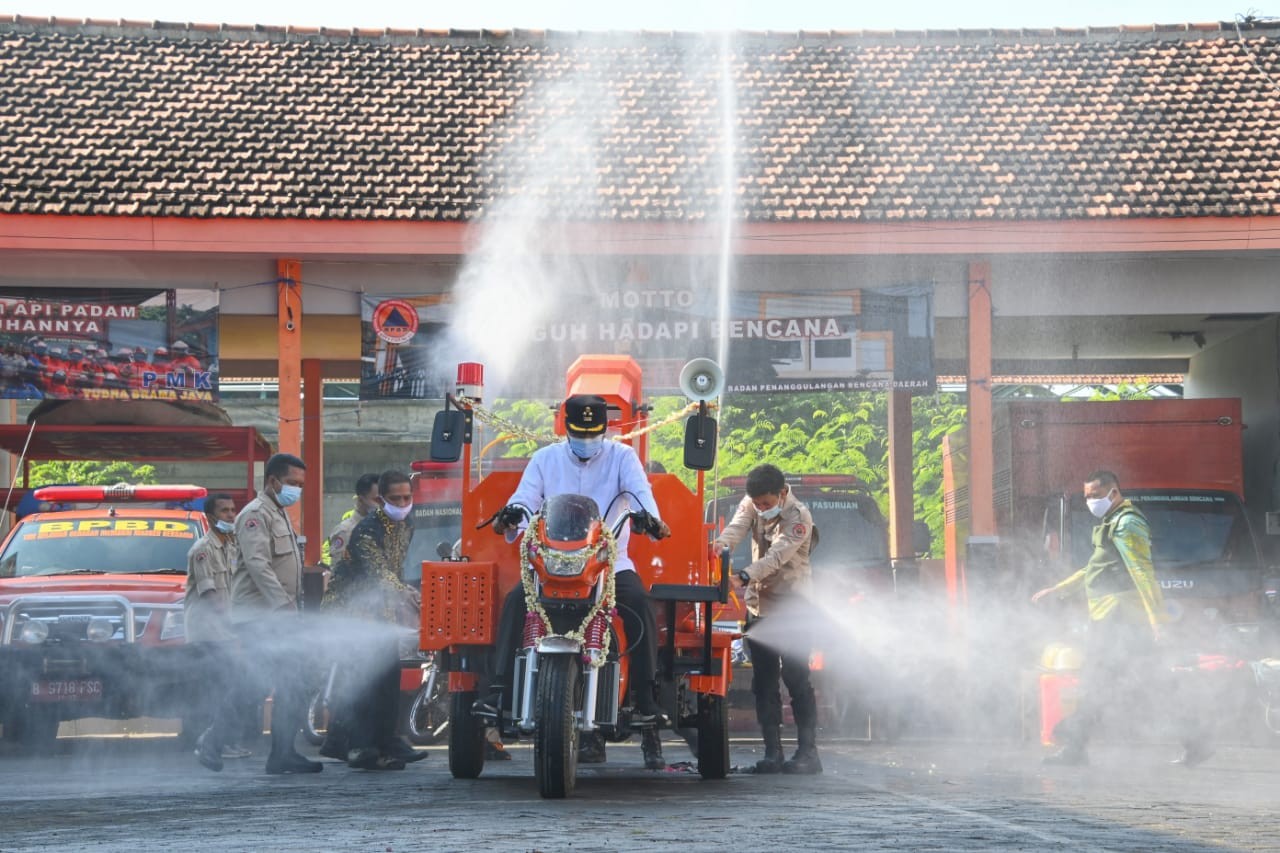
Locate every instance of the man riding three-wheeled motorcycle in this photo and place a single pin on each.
(577, 652)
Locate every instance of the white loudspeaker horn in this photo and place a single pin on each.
(701, 380)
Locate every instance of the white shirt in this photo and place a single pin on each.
(611, 473)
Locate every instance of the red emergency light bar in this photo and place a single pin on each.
(118, 492)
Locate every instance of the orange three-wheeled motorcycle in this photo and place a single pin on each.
(571, 674)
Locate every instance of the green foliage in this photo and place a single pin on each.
(834, 433)
(530, 416)
(828, 434)
(1123, 391)
(91, 473)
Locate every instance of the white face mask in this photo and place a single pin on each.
(1099, 506)
(397, 513)
(288, 495)
(776, 510)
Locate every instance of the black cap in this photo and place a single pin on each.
(586, 414)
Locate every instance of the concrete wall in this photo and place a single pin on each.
(1248, 366)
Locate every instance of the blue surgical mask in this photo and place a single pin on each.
(772, 512)
(225, 526)
(586, 448)
(288, 495)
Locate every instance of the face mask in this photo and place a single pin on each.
(1099, 506)
(586, 448)
(772, 512)
(225, 526)
(288, 495)
(397, 513)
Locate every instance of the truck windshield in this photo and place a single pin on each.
(1187, 529)
(851, 533)
(106, 544)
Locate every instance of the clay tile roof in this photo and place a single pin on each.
(199, 120)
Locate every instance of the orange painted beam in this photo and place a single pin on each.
(313, 455)
(289, 361)
(310, 238)
(981, 424)
(901, 481)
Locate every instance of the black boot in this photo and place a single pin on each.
(591, 748)
(651, 747)
(773, 757)
(805, 761)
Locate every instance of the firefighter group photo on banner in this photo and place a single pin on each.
(97, 344)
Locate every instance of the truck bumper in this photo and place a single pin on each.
(116, 681)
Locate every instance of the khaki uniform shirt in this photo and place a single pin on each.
(268, 573)
(340, 538)
(779, 547)
(210, 563)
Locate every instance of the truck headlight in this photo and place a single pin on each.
(174, 626)
(34, 633)
(99, 631)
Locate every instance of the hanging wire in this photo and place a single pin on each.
(516, 431)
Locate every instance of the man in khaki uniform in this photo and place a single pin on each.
(208, 624)
(264, 603)
(781, 531)
(366, 502)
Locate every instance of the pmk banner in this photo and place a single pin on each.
(777, 342)
(70, 343)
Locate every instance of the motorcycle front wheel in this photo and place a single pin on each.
(466, 737)
(555, 743)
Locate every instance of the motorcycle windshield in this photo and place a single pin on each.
(568, 518)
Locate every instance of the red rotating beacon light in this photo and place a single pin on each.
(471, 380)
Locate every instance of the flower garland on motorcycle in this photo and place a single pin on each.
(530, 551)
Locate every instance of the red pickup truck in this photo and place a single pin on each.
(92, 586)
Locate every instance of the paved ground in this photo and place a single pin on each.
(143, 794)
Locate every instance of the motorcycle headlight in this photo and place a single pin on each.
(565, 564)
(34, 633)
(99, 631)
(174, 626)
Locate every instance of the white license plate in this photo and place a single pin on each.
(66, 690)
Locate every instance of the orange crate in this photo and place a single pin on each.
(459, 604)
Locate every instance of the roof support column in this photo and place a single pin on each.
(313, 449)
(289, 362)
(901, 486)
(979, 550)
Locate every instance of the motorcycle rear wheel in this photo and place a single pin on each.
(555, 743)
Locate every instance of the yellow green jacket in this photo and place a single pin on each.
(1120, 578)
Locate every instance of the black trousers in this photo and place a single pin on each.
(768, 663)
(637, 620)
(273, 663)
(1123, 667)
(226, 696)
(373, 697)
